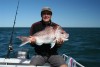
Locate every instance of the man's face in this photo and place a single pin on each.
(46, 16)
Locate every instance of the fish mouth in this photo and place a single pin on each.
(66, 38)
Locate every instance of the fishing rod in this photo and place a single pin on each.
(10, 48)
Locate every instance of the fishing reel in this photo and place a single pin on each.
(10, 48)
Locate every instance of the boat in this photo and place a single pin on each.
(22, 61)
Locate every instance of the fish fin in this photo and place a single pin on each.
(23, 43)
(39, 44)
(52, 44)
(24, 40)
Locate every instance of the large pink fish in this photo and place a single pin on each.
(47, 36)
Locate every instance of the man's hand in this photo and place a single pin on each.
(32, 39)
(59, 41)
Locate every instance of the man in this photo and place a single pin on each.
(44, 53)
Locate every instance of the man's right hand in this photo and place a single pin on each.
(32, 39)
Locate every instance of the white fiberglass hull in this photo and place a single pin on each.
(20, 62)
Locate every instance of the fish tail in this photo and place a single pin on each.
(24, 40)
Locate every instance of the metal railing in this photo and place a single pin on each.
(71, 62)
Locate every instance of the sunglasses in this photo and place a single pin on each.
(46, 13)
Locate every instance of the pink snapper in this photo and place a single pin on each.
(47, 36)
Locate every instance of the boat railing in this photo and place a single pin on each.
(71, 62)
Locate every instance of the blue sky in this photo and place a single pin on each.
(67, 13)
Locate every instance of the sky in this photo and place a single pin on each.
(66, 13)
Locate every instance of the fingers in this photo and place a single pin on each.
(59, 41)
(32, 39)
(30, 36)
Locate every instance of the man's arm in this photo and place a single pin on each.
(32, 39)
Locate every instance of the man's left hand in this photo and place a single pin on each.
(59, 41)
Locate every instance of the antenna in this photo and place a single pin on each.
(10, 48)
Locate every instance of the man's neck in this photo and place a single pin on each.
(46, 23)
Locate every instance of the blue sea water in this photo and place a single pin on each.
(83, 44)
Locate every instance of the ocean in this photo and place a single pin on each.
(83, 44)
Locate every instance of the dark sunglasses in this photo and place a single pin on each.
(46, 13)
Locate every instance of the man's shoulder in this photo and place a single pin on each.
(55, 24)
(36, 24)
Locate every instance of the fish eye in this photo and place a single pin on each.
(62, 32)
